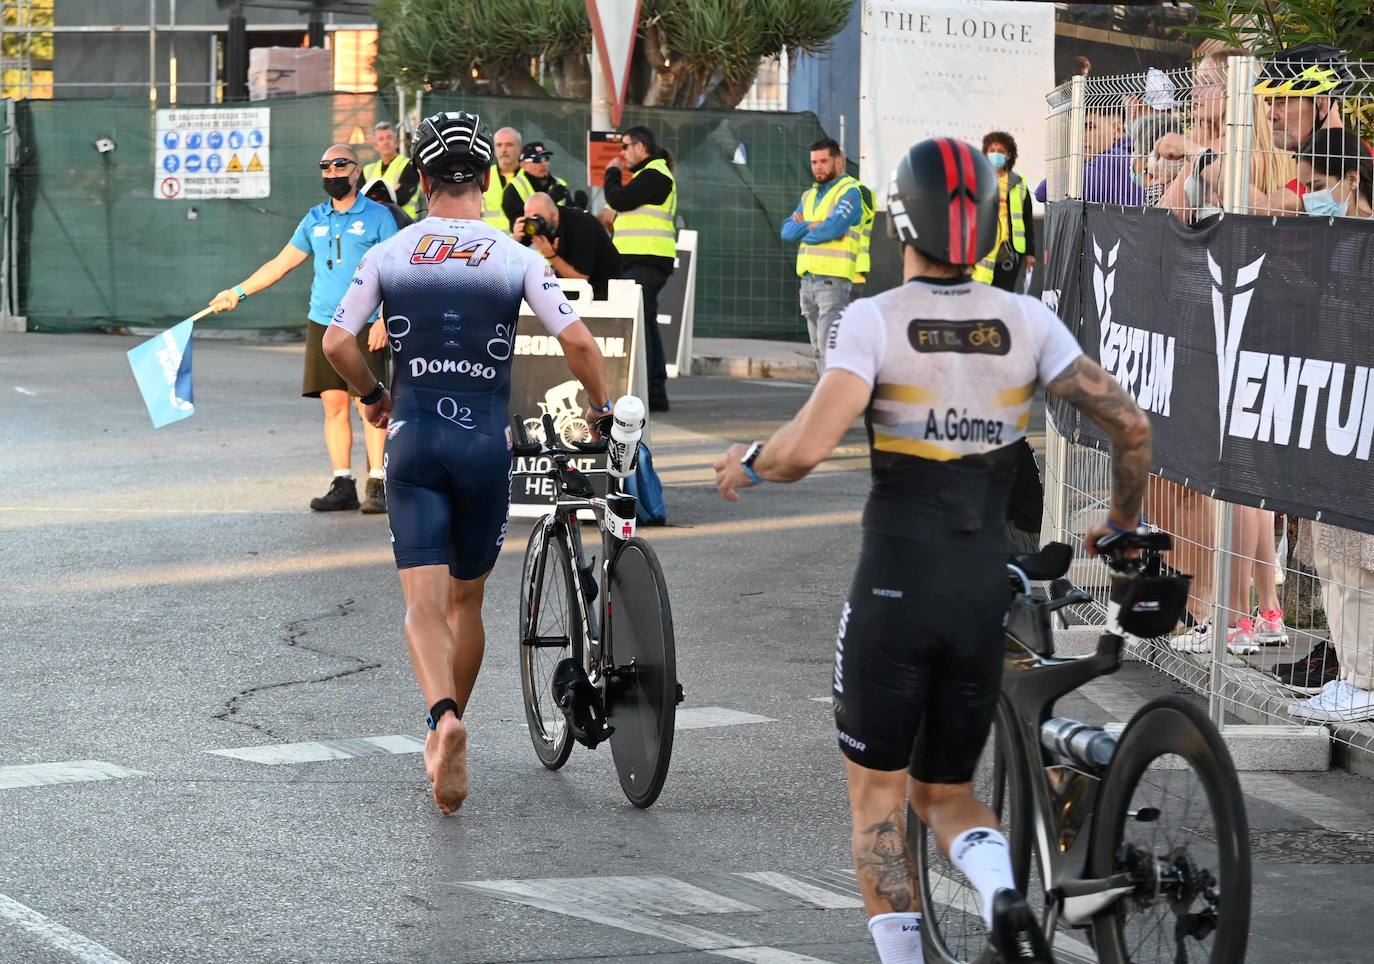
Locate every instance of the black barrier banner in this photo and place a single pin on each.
(541, 383)
(1247, 341)
(672, 307)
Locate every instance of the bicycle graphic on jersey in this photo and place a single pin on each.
(560, 402)
(985, 334)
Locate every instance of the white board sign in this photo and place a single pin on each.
(205, 154)
(952, 68)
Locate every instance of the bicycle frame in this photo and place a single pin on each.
(1063, 798)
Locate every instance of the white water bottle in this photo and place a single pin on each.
(627, 425)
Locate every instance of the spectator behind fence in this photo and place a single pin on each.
(533, 178)
(1304, 85)
(1149, 116)
(1337, 175)
(1196, 193)
(827, 221)
(641, 198)
(1015, 222)
(1339, 672)
(1107, 175)
(572, 241)
(337, 233)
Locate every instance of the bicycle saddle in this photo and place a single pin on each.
(1051, 562)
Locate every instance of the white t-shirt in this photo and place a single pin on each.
(953, 366)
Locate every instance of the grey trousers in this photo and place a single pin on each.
(822, 300)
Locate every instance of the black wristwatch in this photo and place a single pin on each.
(374, 396)
(1205, 159)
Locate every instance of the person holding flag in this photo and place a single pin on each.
(337, 233)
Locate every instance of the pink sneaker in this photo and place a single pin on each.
(1269, 630)
(1240, 639)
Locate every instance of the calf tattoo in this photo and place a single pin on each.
(884, 859)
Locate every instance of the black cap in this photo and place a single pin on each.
(943, 201)
(535, 151)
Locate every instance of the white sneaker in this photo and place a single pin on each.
(1269, 628)
(1196, 640)
(1240, 639)
(1338, 702)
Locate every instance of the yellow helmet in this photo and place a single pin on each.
(1309, 70)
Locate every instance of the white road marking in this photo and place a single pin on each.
(586, 899)
(1323, 810)
(21, 917)
(70, 771)
(279, 754)
(705, 717)
(25, 391)
(818, 896)
(822, 699)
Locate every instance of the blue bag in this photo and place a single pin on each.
(645, 486)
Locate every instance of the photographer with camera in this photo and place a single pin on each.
(574, 243)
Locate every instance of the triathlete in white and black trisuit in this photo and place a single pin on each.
(944, 371)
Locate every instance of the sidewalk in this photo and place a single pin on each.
(753, 358)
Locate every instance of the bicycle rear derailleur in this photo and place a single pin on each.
(580, 701)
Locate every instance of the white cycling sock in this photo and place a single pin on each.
(982, 855)
(898, 938)
(376, 474)
(343, 473)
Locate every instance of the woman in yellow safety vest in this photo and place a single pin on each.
(1015, 228)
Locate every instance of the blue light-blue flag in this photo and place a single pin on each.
(162, 368)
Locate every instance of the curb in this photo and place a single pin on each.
(739, 367)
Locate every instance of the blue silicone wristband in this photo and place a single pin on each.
(238, 290)
(753, 476)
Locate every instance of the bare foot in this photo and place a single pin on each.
(450, 764)
(429, 755)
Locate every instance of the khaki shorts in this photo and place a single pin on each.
(320, 375)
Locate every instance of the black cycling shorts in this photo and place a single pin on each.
(448, 481)
(918, 659)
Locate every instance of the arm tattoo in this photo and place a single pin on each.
(886, 862)
(1087, 387)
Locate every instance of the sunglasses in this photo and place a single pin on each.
(625, 146)
(338, 163)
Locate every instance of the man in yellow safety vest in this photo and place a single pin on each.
(507, 142)
(827, 223)
(1015, 224)
(645, 207)
(395, 168)
(533, 178)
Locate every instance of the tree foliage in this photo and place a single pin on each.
(698, 52)
(1267, 26)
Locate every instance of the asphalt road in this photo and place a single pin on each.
(167, 595)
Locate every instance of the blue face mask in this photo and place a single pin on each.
(1138, 179)
(1322, 204)
(997, 160)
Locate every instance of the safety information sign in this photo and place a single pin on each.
(212, 154)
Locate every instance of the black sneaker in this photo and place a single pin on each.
(342, 494)
(375, 502)
(1310, 674)
(1015, 932)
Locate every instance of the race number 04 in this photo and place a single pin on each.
(433, 249)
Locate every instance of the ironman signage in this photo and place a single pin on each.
(615, 23)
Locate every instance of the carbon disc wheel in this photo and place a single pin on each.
(642, 679)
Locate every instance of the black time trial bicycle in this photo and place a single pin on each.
(597, 655)
(1141, 841)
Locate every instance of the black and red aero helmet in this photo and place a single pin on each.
(943, 201)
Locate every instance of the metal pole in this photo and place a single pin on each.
(1078, 119)
(1239, 134)
(601, 116)
(1221, 569)
(236, 57)
(172, 49)
(152, 54)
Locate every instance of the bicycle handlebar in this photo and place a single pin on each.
(523, 446)
(1113, 547)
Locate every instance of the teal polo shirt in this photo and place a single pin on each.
(338, 240)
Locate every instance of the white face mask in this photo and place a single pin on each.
(1323, 204)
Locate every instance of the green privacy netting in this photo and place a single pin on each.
(96, 248)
